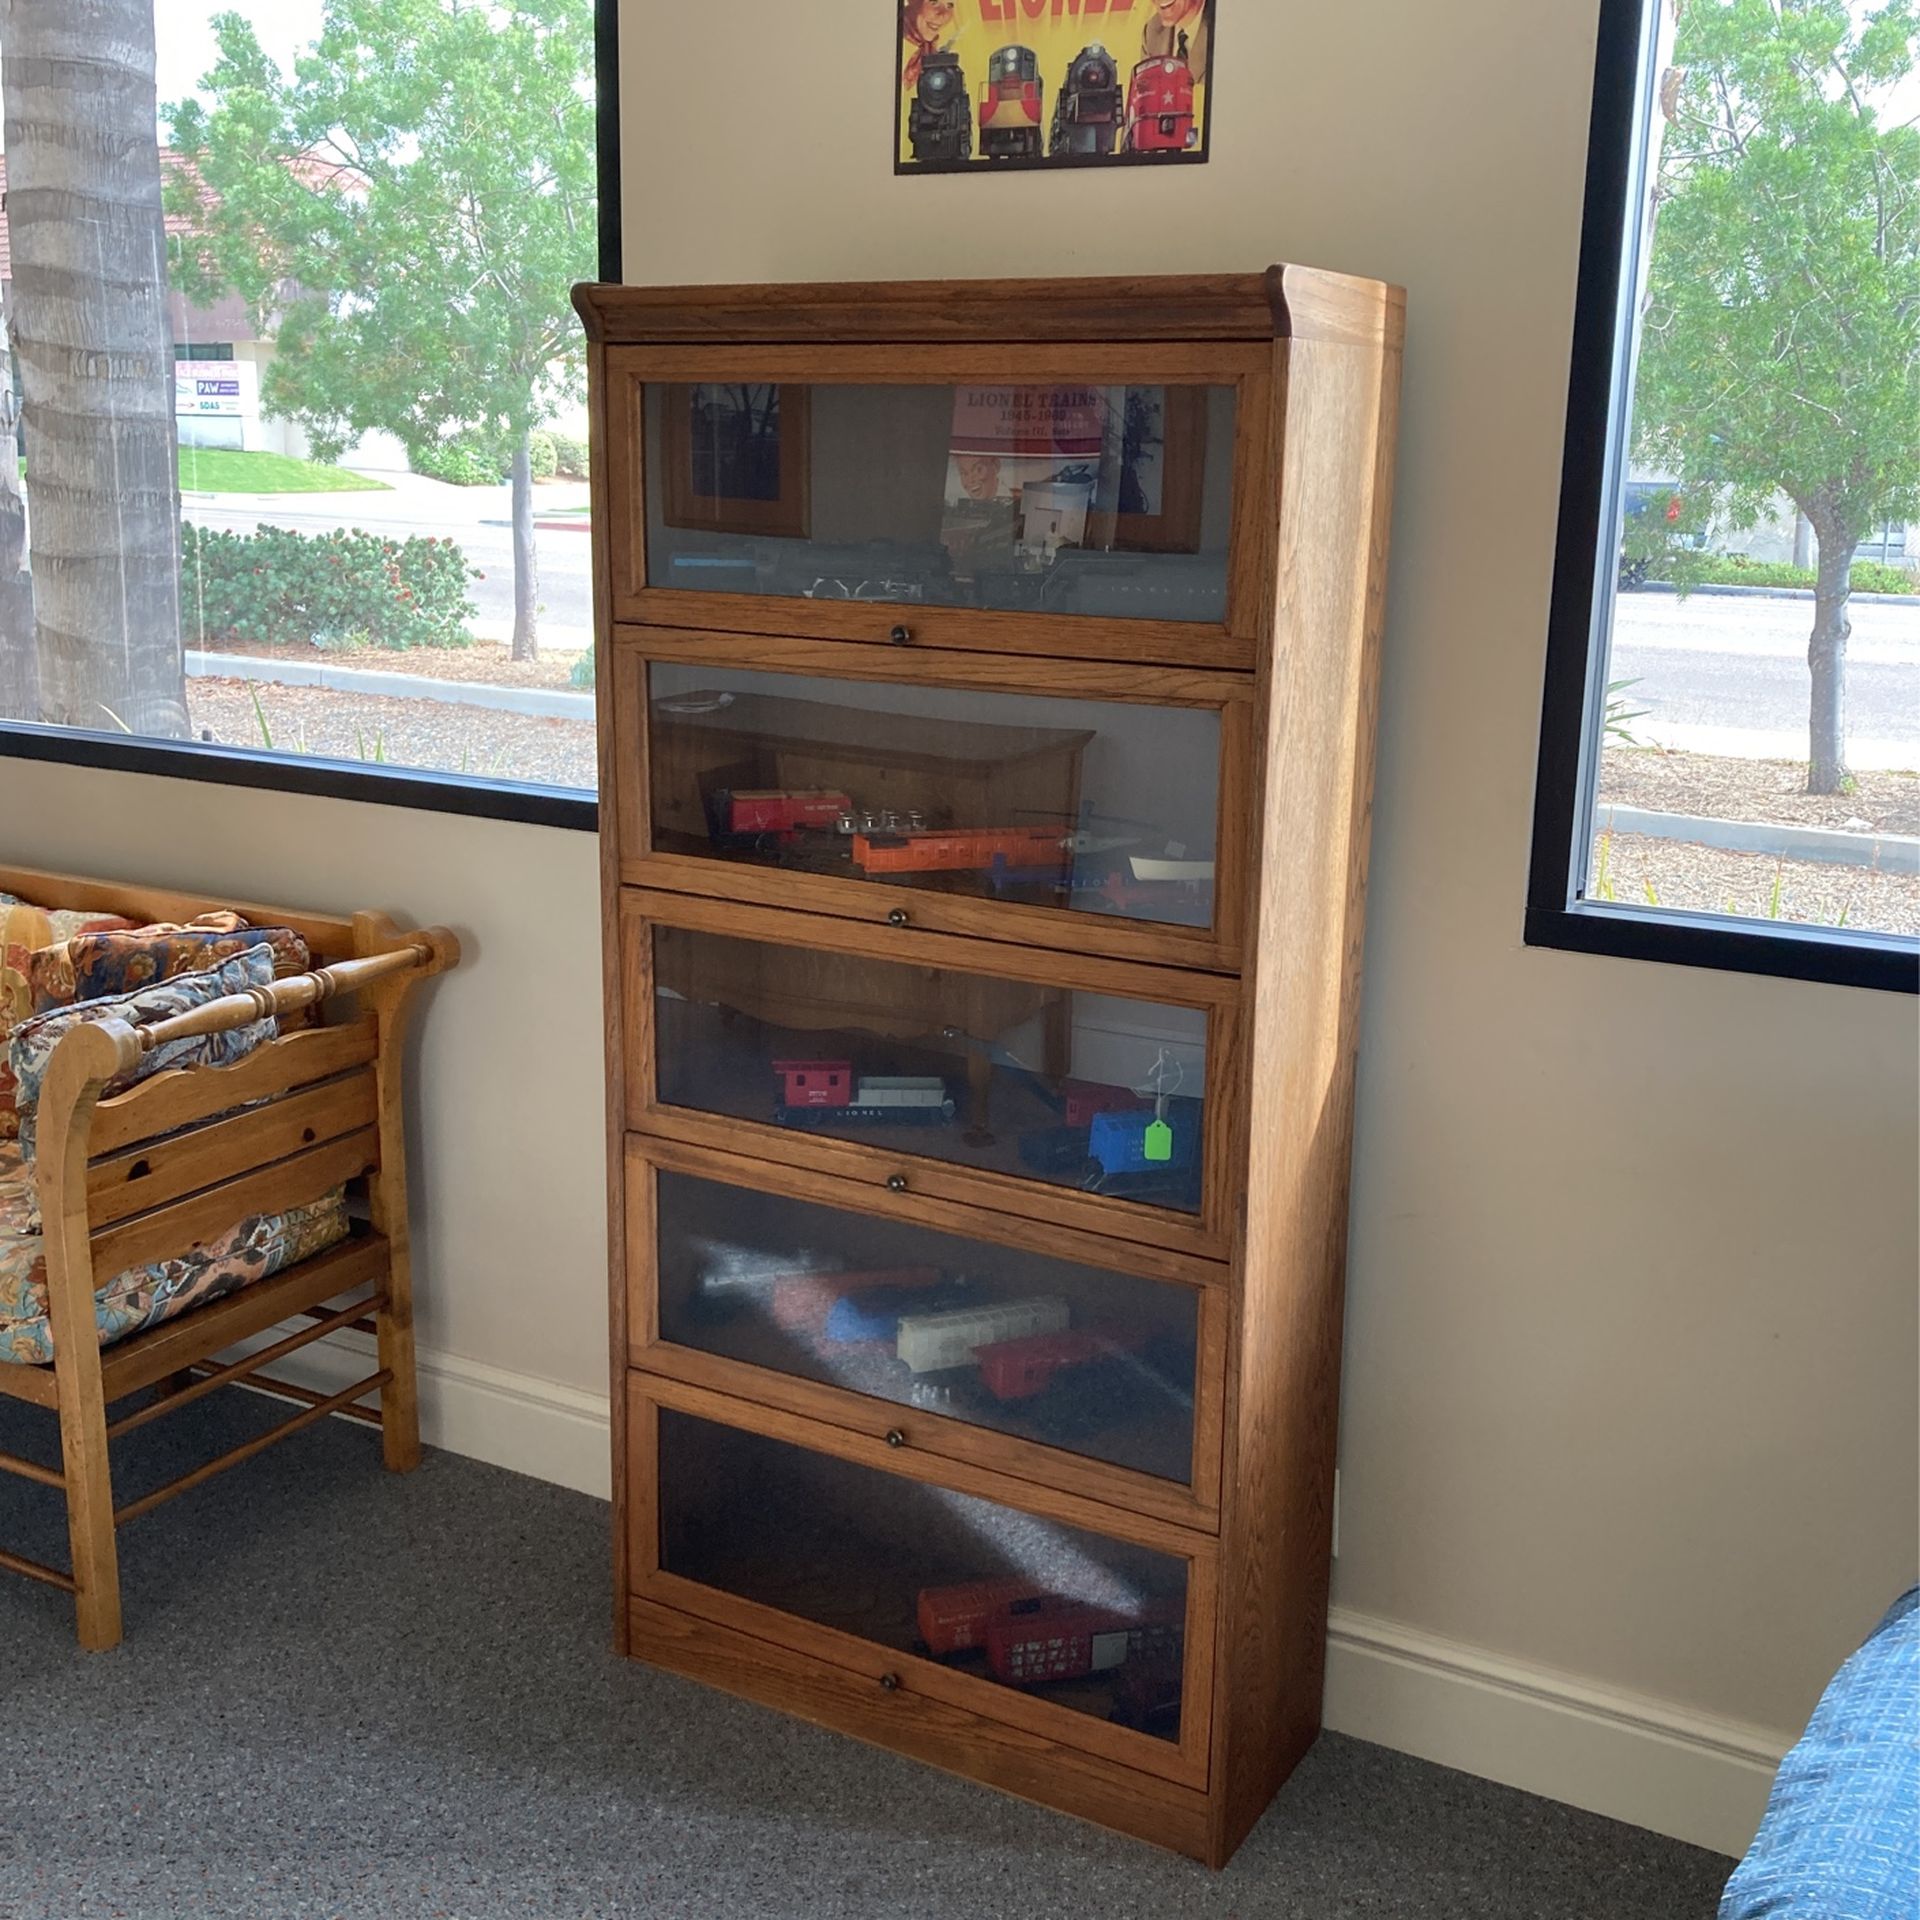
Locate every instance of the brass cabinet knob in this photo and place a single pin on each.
(896, 1183)
(891, 1681)
(898, 917)
(895, 1438)
(900, 636)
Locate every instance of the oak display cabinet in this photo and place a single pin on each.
(987, 686)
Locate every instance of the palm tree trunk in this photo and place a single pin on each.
(89, 311)
(19, 673)
(1827, 659)
(526, 563)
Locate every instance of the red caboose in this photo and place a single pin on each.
(1032, 1642)
(815, 1083)
(1019, 1369)
(1160, 107)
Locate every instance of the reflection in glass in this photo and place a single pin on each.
(1041, 1082)
(1095, 806)
(1081, 1357)
(1071, 499)
(1091, 1624)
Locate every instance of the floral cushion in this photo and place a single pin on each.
(33, 1040)
(144, 1296)
(24, 930)
(90, 966)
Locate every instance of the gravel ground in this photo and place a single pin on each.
(487, 662)
(1769, 791)
(1712, 880)
(404, 733)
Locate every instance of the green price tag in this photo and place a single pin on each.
(1158, 1141)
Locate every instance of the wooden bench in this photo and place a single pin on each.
(152, 1173)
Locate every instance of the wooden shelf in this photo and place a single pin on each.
(1047, 1294)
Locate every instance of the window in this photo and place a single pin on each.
(1730, 748)
(310, 381)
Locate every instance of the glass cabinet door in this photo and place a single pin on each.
(1091, 1625)
(1043, 1083)
(1069, 498)
(1099, 1362)
(1087, 806)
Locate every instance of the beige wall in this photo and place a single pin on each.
(1630, 1383)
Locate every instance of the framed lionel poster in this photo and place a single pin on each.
(980, 84)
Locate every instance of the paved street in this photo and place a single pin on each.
(1716, 673)
(1728, 674)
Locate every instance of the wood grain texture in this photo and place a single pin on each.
(1185, 1761)
(928, 1730)
(1195, 1503)
(1293, 671)
(1284, 301)
(1337, 432)
(614, 427)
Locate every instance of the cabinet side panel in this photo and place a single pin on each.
(602, 426)
(1339, 409)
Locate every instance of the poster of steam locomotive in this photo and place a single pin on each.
(981, 84)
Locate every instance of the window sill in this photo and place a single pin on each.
(1846, 958)
(326, 779)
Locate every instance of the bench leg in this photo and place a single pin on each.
(89, 1488)
(400, 1397)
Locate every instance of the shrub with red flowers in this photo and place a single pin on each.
(345, 588)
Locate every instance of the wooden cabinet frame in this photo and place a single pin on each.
(1216, 948)
(868, 1166)
(1228, 643)
(1193, 1504)
(1185, 1762)
(1293, 667)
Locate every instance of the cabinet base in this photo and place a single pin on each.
(942, 1736)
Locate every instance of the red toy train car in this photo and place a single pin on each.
(1020, 1369)
(783, 811)
(954, 1619)
(1160, 115)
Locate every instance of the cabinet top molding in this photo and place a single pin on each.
(1286, 303)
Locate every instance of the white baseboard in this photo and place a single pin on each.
(1649, 1762)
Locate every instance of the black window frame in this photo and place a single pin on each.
(514, 800)
(1593, 473)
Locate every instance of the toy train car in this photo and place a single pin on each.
(1034, 1641)
(1160, 116)
(870, 1316)
(930, 1342)
(1086, 110)
(773, 814)
(1120, 1144)
(824, 1092)
(954, 1619)
(1023, 1368)
(1043, 851)
(1010, 106)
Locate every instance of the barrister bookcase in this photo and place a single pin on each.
(986, 679)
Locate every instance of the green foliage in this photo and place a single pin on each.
(543, 458)
(570, 456)
(1736, 570)
(1620, 716)
(425, 178)
(1781, 344)
(582, 671)
(465, 460)
(278, 587)
(228, 470)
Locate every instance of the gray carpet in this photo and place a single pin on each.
(347, 1695)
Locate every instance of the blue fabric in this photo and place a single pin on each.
(1841, 1839)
